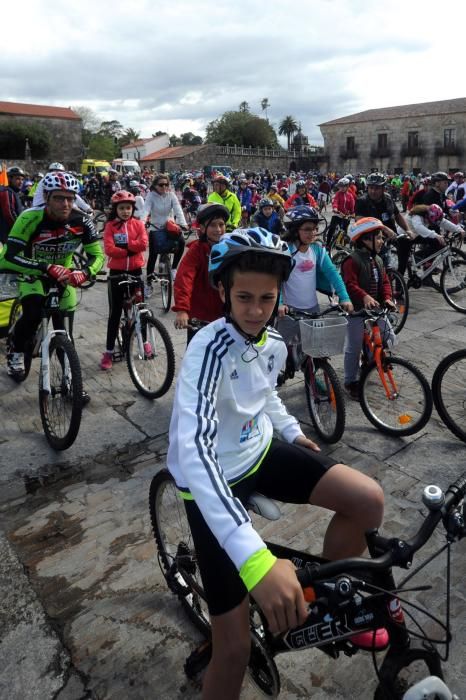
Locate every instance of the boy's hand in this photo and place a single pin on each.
(369, 302)
(389, 303)
(181, 320)
(347, 306)
(305, 442)
(280, 597)
(282, 310)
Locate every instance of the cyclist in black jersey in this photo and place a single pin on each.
(42, 241)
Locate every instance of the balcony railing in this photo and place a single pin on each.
(270, 152)
(347, 153)
(448, 149)
(381, 152)
(410, 150)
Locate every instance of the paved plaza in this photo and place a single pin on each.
(85, 612)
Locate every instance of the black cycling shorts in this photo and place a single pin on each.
(288, 473)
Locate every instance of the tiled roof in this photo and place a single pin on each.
(171, 152)
(417, 110)
(138, 142)
(26, 110)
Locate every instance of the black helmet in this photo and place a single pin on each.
(439, 176)
(14, 171)
(376, 180)
(211, 210)
(265, 202)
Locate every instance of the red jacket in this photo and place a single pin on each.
(344, 202)
(291, 201)
(193, 292)
(351, 277)
(125, 258)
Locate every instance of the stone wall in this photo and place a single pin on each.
(65, 140)
(430, 155)
(244, 159)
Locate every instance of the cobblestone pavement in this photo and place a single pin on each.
(86, 612)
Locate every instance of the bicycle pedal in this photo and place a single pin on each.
(198, 659)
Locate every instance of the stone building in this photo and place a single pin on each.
(63, 125)
(410, 138)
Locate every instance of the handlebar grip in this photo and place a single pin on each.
(456, 491)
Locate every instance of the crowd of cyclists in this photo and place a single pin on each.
(256, 252)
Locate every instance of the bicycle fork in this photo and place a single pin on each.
(390, 387)
(45, 358)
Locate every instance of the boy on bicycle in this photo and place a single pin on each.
(221, 448)
(369, 287)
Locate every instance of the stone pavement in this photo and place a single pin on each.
(85, 612)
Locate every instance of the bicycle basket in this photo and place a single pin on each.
(323, 337)
(8, 286)
(163, 243)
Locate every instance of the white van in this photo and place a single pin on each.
(123, 167)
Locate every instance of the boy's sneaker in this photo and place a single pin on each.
(15, 364)
(353, 390)
(372, 639)
(107, 361)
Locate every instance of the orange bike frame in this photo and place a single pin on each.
(374, 345)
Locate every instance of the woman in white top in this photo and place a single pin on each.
(162, 204)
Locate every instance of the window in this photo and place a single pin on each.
(382, 141)
(350, 144)
(413, 139)
(449, 137)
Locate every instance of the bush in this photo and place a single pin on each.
(13, 141)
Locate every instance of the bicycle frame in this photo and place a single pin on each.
(134, 310)
(44, 337)
(374, 346)
(416, 269)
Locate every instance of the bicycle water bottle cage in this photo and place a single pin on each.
(261, 505)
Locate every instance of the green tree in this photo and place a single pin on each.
(90, 122)
(243, 107)
(241, 129)
(129, 136)
(287, 127)
(102, 147)
(265, 104)
(13, 140)
(111, 128)
(189, 139)
(159, 133)
(174, 140)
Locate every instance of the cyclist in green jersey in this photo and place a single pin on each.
(42, 241)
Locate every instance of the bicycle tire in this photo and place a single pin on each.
(325, 400)
(453, 281)
(449, 392)
(99, 220)
(176, 555)
(61, 410)
(400, 295)
(409, 410)
(339, 257)
(166, 282)
(393, 685)
(152, 374)
(322, 225)
(81, 262)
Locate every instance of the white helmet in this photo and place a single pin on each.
(61, 181)
(55, 167)
(344, 182)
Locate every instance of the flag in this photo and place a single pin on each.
(3, 175)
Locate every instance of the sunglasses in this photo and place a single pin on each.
(162, 184)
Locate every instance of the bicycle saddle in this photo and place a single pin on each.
(261, 505)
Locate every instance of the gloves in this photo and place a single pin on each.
(77, 278)
(59, 273)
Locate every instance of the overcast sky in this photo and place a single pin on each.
(176, 65)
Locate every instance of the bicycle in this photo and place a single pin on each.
(449, 392)
(394, 394)
(345, 597)
(60, 379)
(311, 340)
(144, 341)
(163, 277)
(340, 239)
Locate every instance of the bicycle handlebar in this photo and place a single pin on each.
(296, 314)
(396, 552)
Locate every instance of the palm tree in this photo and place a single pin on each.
(244, 106)
(265, 104)
(288, 126)
(131, 135)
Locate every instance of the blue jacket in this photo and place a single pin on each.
(328, 279)
(245, 198)
(273, 223)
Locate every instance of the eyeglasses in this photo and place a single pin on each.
(162, 184)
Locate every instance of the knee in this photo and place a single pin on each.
(371, 506)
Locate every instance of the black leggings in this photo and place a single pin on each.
(26, 326)
(116, 297)
(154, 251)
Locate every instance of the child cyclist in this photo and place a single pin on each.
(125, 241)
(369, 287)
(194, 295)
(221, 447)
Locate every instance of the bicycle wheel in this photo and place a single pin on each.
(151, 367)
(338, 257)
(408, 406)
(400, 296)
(449, 392)
(100, 219)
(61, 409)
(176, 555)
(453, 281)
(81, 262)
(325, 399)
(401, 671)
(16, 312)
(166, 282)
(322, 226)
(262, 668)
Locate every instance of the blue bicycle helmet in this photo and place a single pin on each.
(298, 215)
(246, 240)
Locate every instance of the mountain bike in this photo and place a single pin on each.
(311, 340)
(60, 380)
(345, 597)
(449, 392)
(339, 240)
(394, 394)
(162, 277)
(144, 342)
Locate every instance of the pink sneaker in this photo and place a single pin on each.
(148, 349)
(107, 361)
(371, 639)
